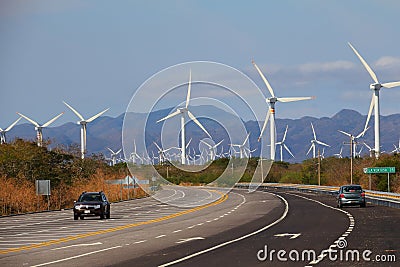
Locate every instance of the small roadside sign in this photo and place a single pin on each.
(380, 170)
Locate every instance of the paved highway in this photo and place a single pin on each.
(238, 229)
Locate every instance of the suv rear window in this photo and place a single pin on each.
(351, 189)
(90, 197)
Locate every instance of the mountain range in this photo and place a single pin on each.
(106, 132)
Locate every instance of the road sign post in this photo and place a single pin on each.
(377, 170)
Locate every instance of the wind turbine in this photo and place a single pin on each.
(242, 148)
(396, 148)
(353, 140)
(3, 139)
(212, 148)
(134, 155)
(38, 128)
(283, 145)
(161, 152)
(271, 112)
(370, 149)
(114, 155)
(83, 124)
(314, 142)
(182, 112)
(339, 155)
(375, 100)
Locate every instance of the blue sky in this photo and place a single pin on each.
(95, 54)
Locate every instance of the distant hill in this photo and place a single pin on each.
(106, 131)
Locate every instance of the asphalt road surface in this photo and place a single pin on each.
(238, 229)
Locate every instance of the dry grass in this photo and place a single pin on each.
(19, 196)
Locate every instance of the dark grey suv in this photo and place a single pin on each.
(92, 204)
(350, 195)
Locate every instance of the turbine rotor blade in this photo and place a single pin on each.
(265, 124)
(371, 107)
(322, 143)
(370, 71)
(264, 79)
(343, 132)
(28, 119)
(97, 115)
(159, 148)
(308, 152)
(245, 140)
(170, 116)
(110, 150)
(12, 125)
(220, 142)
(191, 116)
(391, 84)
(204, 142)
(52, 120)
(288, 150)
(74, 111)
(187, 145)
(189, 88)
(315, 136)
(362, 133)
(292, 99)
(284, 135)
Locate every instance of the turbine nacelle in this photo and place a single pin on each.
(81, 122)
(375, 86)
(271, 100)
(182, 110)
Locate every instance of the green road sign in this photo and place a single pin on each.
(380, 170)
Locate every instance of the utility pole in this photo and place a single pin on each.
(351, 160)
(351, 157)
(319, 168)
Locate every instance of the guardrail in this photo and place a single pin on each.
(374, 197)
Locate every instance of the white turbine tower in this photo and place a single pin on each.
(182, 112)
(271, 112)
(114, 155)
(83, 124)
(283, 145)
(375, 100)
(3, 138)
(134, 155)
(38, 128)
(354, 139)
(314, 142)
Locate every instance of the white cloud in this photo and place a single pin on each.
(388, 62)
(318, 67)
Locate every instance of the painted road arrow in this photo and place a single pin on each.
(292, 236)
(189, 239)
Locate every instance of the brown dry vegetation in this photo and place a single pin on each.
(23, 162)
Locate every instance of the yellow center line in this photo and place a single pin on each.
(114, 229)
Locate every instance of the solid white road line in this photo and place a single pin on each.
(75, 257)
(234, 240)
